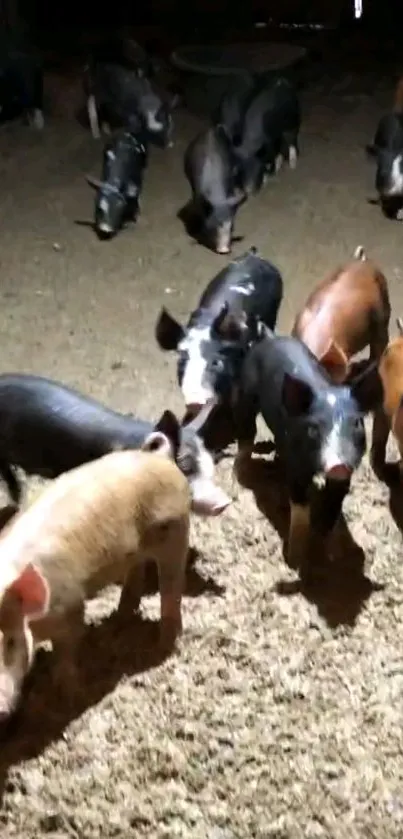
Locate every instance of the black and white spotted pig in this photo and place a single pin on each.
(212, 345)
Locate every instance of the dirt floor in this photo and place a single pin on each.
(281, 716)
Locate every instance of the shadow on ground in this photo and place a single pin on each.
(110, 651)
(338, 586)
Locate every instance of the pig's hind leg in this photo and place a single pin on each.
(171, 560)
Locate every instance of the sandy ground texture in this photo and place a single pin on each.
(281, 716)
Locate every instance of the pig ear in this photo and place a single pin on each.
(94, 182)
(157, 442)
(169, 426)
(335, 362)
(218, 322)
(296, 396)
(168, 332)
(367, 388)
(31, 590)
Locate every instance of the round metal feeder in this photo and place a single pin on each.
(205, 71)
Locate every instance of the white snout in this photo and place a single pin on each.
(208, 499)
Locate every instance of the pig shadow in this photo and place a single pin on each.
(109, 651)
(338, 586)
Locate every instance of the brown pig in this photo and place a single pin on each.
(391, 374)
(344, 314)
(91, 527)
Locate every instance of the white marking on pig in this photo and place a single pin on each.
(245, 290)
(331, 455)
(93, 117)
(111, 154)
(396, 177)
(293, 157)
(152, 123)
(194, 387)
(103, 205)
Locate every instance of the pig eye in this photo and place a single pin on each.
(313, 432)
(218, 365)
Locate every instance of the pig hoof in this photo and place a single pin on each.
(399, 215)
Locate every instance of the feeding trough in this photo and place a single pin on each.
(206, 70)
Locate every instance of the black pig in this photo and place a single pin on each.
(318, 427)
(118, 192)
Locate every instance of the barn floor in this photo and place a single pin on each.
(281, 716)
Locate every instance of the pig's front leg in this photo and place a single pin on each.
(299, 528)
(66, 676)
(329, 508)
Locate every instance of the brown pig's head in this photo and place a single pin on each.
(24, 600)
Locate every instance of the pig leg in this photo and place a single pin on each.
(381, 424)
(93, 117)
(132, 589)
(172, 562)
(66, 677)
(290, 148)
(299, 529)
(329, 508)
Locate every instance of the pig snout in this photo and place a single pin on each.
(223, 238)
(208, 499)
(343, 450)
(340, 472)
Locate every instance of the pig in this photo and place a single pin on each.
(348, 311)
(120, 96)
(318, 428)
(387, 149)
(118, 192)
(233, 104)
(21, 82)
(212, 345)
(209, 167)
(119, 48)
(47, 428)
(270, 132)
(93, 526)
(391, 375)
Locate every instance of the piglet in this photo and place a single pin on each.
(348, 311)
(118, 191)
(91, 527)
(391, 375)
(387, 149)
(318, 428)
